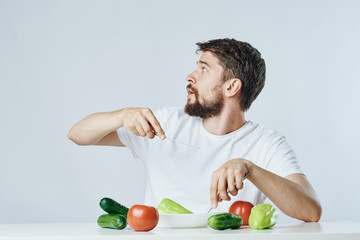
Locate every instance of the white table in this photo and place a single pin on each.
(292, 231)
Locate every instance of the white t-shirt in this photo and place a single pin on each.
(183, 174)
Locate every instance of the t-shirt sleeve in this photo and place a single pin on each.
(137, 144)
(283, 160)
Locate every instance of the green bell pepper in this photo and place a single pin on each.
(170, 207)
(262, 216)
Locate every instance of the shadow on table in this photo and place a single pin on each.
(126, 231)
(302, 227)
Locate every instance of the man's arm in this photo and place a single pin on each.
(293, 195)
(100, 128)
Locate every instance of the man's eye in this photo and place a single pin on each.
(203, 69)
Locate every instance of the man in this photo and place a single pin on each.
(220, 148)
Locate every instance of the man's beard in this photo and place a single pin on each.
(209, 108)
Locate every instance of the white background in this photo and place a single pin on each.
(63, 60)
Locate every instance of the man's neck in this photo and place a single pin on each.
(229, 120)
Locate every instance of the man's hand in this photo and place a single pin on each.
(228, 179)
(292, 194)
(142, 122)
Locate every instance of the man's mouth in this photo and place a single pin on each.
(189, 89)
(190, 92)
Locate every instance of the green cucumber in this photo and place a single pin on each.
(111, 206)
(112, 220)
(223, 221)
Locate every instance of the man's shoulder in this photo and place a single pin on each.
(262, 131)
(263, 139)
(172, 113)
(169, 109)
(173, 117)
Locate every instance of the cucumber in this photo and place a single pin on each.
(112, 220)
(223, 221)
(111, 206)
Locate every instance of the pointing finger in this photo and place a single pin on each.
(154, 123)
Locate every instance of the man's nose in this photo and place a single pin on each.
(191, 78)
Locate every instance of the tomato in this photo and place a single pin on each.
(243, 209)
(142, 218)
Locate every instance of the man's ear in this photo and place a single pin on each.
(233, 87)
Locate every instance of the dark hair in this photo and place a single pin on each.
(239, 60)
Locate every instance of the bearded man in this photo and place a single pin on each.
(211, 148)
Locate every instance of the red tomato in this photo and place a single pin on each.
(142, 218)
(243, 209)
